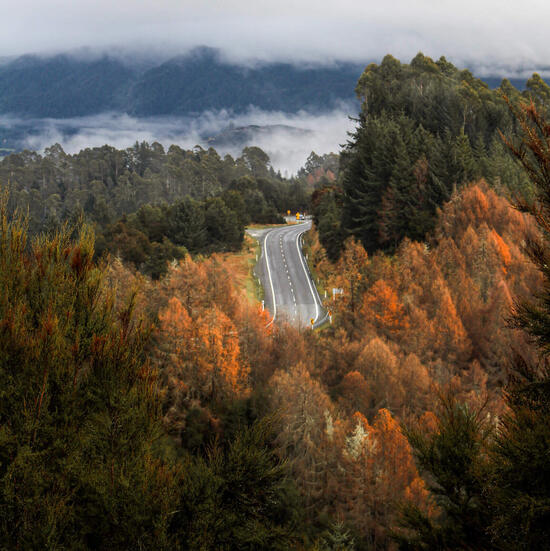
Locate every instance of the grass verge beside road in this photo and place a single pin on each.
(241, 265)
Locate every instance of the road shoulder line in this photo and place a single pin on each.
(269, 277)
(300, 255)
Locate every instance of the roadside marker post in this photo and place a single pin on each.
(263, 305)
(312, 321)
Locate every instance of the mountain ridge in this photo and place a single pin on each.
(64, 86)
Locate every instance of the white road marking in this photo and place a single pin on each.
(316, 299)
(270, 282)
(307, 277)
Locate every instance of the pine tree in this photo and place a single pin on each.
(78, 413)
(363, 190)
(521, 484)
(336, 539)
(330, 230)
(188, 225)
(395, 215)
(238, 497)
(452, 460)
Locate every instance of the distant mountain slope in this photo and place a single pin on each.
(494, 82)
(202, 81)
(63, 86)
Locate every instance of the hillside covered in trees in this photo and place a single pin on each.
(64, 86)
(150, 205)
(425, 129)
(148, 403)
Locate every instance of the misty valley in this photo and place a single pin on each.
(272, 306)
(287, 138)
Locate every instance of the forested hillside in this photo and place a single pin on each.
(62, 86)
(147, 402)
(403, 328)
(425, 129)
(65, 86)
(150, 205)
(443, 317)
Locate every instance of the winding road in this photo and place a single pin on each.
(290, 294)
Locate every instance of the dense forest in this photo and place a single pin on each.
(149, 205)
(147, 403)
(425, 129)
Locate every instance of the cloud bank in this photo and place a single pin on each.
(499, 35)
(288, 149)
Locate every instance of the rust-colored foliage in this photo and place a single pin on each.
(202, 348)
(445, 301)
(355, 392)
(382, 308)
(351, 276)
(432, 315)
(211, 342)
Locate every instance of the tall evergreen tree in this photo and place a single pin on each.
(238, 497)
(520, 488)
(188, 225)
(453, 460)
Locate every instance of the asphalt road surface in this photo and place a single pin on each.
(289, 291)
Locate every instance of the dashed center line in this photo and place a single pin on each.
(290, 239)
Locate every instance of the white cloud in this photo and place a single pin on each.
(471, 31)
(287, 149)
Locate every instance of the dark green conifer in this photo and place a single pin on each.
(452, 459)
(520, 488)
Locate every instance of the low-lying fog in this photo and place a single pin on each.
(287, 138)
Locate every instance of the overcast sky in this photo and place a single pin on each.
(493, 35)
